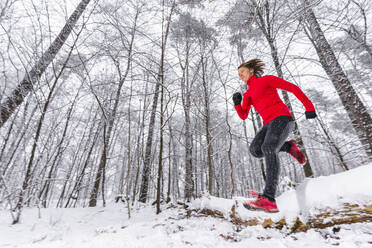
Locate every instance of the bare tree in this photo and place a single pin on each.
(183, 34)
(147, 162)
(111, 115)
(30, 170)
(26, 85)
(357, 112)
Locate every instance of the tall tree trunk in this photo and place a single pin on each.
(160, 159)
(176, 191)
(129, 154)
(186, 99)
(140, 140)
(170, 179)
(102, 164)
(147, 162)
(207, 132)
(357, 112)
(195, 168)
(25, 86)
(160, 167)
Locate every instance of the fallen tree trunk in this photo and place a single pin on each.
(348, 214)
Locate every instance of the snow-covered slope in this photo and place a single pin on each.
(311, 197)
(110, 227)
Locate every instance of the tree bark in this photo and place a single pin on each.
(186, 100)
(355, 109)
(25, 86)
(160, 160)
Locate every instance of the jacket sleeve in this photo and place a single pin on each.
(276, 82)
(243, 109)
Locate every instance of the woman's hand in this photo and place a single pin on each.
(310, 114)
(237, 98)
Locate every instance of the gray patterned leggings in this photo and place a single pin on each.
(268, 142)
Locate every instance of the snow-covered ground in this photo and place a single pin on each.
(110, 227)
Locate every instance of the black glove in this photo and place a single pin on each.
(237, 98)
(310, 114)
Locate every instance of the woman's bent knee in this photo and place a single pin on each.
(268, 149)
(255, 151)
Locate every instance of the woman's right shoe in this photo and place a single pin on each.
(297, 153)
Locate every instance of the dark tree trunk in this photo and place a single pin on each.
(25, 86)
(207, 123)
(147, 163)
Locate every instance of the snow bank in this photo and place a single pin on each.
(309, 198)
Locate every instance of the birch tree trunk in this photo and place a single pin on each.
(355, 109)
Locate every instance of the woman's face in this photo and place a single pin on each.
(245, 73)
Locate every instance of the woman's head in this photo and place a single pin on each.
(249, 68)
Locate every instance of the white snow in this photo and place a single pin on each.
(110, 227)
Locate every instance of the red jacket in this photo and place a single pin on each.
(262, 94)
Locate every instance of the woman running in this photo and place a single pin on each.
(278, 123)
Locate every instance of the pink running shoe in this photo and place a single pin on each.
(262, 203)
(297, 153)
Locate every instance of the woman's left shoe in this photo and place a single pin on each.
(261, 203)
